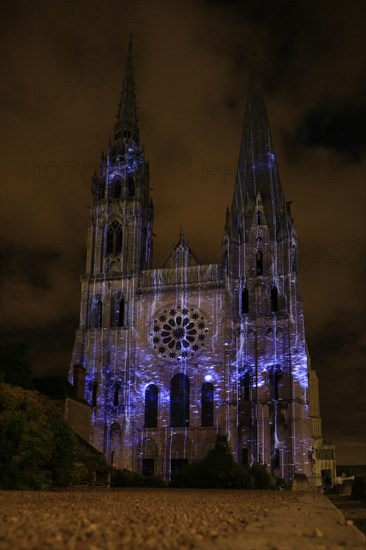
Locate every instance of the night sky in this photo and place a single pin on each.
(62, 64)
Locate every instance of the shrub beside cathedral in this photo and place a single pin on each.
(170, 358)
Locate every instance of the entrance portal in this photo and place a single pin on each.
(176, 464)
(148, 467)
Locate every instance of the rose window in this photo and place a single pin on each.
(179, 332)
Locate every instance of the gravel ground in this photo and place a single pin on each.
(164, 519)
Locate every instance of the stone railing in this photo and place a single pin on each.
(200, 276)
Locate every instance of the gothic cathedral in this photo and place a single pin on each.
(172, 357)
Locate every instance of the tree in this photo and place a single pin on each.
(65, 446)
(38, 448)
(26, 439)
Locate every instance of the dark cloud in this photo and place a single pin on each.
(48, 345)
(341, 127)
(334, 338)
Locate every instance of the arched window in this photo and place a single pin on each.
(274, 299)
(276, 458)
(118, 309)
(151, 406)
(259, 262)
(116, 389)
(96, 317)
(274, 377)
(94, 394)
(245, 456)
(258, 215)
(130, 187)
(121, 312)
(244, 386)
(115, 442)
(116, 189)
(179, 401)
(114, 239)
(245, 301)
(207, 404)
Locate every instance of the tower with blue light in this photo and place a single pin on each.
(174, 356)
(260, 257)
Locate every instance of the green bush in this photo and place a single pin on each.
(220, 471)
(242, 478)
(262, 477)
(126, 478)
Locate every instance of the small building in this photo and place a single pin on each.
(323, 452)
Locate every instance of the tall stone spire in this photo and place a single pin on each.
(126, 126)
(257, 172)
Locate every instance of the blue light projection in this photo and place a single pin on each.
(264, 162)
(210, 332)
(118, 165)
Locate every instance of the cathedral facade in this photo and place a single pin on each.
(170, 358)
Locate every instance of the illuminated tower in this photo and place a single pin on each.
(119, 246)
(260, 255)
(174, 356)
(120, 234)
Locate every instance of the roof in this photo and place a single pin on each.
(182, 255)
(87, 445)
(57, 387)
